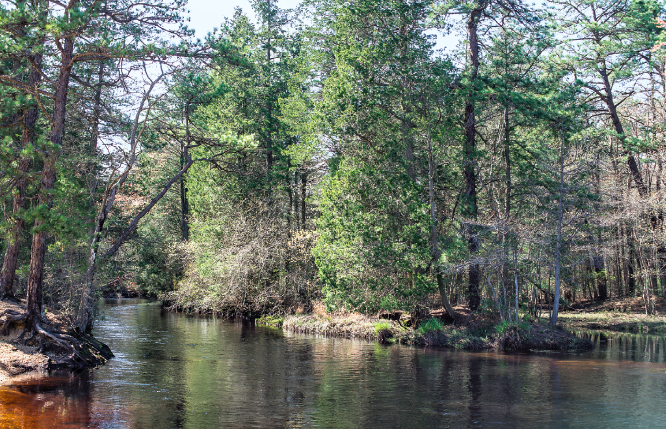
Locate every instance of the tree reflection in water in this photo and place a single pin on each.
(178, 371)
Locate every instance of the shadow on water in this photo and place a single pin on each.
(177, 371)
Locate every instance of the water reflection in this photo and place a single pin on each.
(178, 371)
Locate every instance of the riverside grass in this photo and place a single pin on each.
(469, 335)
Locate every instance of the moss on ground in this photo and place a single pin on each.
(274, 321)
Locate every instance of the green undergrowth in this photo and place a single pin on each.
(270, 320)
(430, 325)
(382, 326)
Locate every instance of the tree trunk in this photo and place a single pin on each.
(13, 237)
(601, 277)
(184, 202)
(661, 256)
(469, 170)
(184, 209)
(408, 143)
(96, 110)
(558, 245)
(269, 112)
(507, 162)
(89, 281)
(292, 214)
(135, 222)
(304, 184)
(436, 253)
(84, 321)
(631, 257)
(45, 199)
(617, 124)
(85, 309)
(297, 204)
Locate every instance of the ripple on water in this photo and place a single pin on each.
(177, 371)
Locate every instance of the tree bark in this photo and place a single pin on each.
(631, 257)
(45, 199)
(601, 277)
(13, 236)
(96, 110)
(84, 320)
(84, 304)
(408, 143)
(184, 202)
(85, 309)
(293, 187)
(304, 184)
(558, 245)
(619, 129)
(269, 108)
(135, 222)
(507, 162)
(184, 209)
(471, 207)
(436, 252)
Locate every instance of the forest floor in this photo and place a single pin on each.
(470, 331)
(20, 358)
(17, 358)
(624, 315)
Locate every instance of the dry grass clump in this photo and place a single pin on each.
(625, 314)
(352, 325)
(467, 333)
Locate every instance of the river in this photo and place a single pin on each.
(175, 371)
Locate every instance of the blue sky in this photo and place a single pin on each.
(208, 14)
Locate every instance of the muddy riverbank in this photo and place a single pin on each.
(24, 356)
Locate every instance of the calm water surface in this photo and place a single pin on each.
(174, 371)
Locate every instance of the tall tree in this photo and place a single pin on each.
(27, 19)
(605, 40)
(375, 220)
(75, 30)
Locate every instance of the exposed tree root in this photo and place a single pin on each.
(84, 351)
(11, 316)
(8, 297)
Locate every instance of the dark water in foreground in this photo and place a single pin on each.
(177, 371)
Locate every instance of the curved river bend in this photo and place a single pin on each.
(174, 371)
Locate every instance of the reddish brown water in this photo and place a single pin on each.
(176, 371)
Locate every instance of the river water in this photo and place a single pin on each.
(173, 371)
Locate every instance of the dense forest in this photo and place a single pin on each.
(334, 154)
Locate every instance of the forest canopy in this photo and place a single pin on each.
(333, 154)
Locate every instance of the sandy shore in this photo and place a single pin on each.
(17, 360)
(20, 358)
